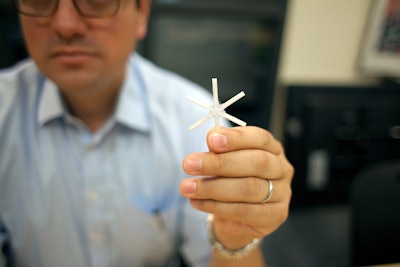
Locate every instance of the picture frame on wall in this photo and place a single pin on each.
(380, 49)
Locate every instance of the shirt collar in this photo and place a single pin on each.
(50, 105)
(132, 107)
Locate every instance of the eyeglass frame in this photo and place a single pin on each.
(54, 10)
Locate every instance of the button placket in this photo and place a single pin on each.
(97, 212)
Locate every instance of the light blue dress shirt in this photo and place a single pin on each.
(71, 197)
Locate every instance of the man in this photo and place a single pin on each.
(92, 140)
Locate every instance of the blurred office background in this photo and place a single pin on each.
(306, 69)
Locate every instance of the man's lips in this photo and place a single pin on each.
(73, 57)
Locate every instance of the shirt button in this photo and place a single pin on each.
(92, 195)
(90, 147)
(96, 238)
(69, 119)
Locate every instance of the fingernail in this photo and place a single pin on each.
(188, 187)
(218, 140)
(193, 163)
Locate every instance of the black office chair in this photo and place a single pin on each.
(12, 47)
(5, 245)
(375, 214)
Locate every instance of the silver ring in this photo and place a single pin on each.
(269, 194)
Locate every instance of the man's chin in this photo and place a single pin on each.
(74, 83)
(64, 76)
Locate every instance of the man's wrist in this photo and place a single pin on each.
(223, 250)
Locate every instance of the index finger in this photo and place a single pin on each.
(220, 140)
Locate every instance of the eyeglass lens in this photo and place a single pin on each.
(87, 8)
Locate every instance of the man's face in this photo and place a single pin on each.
(84, 54)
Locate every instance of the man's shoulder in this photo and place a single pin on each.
(164, 81)
(17, 85)
(168, 91)
(12, 77)
(167, 94)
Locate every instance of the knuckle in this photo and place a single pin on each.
(222, 162)
(214, 163)
(283, 215)
(279, 144)
(251, 187)
(291, 170)
(242, 210)
(289, 193)
(261, 161)
(267, 139)
(240, 134)
(205, 187)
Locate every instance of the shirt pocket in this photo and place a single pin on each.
(142, 239)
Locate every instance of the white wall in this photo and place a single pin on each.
(321, 43)
(322, 40)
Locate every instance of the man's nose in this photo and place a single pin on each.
(67, 22)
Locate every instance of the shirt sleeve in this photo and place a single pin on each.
(196, 250)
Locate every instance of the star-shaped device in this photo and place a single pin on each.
(217, 110)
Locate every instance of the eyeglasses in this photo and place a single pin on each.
(87, 8)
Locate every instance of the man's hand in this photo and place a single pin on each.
(234, 182)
